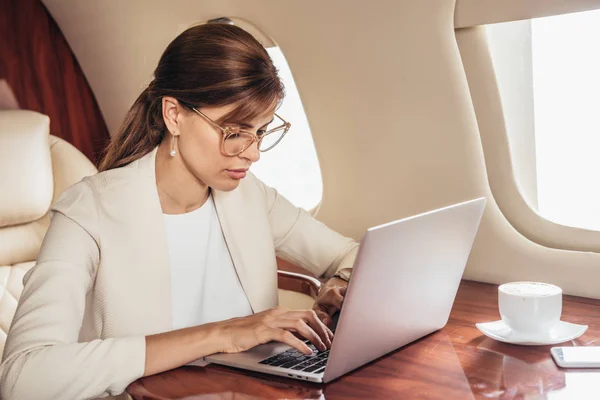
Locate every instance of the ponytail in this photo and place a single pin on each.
(142, 130)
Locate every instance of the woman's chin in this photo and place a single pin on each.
(226, 185)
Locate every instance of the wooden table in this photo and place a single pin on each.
(457, 362)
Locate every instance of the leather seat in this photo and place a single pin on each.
(35, 168)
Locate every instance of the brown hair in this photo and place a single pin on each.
(206, 65)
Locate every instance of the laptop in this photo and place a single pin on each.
(403, 286)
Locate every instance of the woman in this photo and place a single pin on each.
(168, 254)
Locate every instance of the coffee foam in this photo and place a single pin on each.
(534, 289)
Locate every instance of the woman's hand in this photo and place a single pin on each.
(329, 299)
(277, 324)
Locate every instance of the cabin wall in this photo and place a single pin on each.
(513, 68)
(387, 98)
(41, 70)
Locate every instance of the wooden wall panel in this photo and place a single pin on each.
(44, 75)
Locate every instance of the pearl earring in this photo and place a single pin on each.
(173, 140)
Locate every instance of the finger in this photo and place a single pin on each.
(332, 301)
(313, 320)
(338, 298)
(299, 325)
(325, 326)
(322, 315)
(326, 319)
(299, 336)
(288, 338)
(314, 323)
(323, 305)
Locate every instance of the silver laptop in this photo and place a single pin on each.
(403, 285)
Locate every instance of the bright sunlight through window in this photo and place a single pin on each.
(566, 82)
(292, 166)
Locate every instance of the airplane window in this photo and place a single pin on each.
(556, 63)
(292, 166)
(566, 86)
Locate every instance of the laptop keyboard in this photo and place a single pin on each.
(297, 361)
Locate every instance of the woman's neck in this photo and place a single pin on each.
(179, 191)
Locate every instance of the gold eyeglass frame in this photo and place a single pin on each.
(228, 131)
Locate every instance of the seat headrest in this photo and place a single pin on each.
(26, 183)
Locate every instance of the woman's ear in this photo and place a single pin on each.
(170, 113)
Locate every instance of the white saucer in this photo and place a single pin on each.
(561, 332)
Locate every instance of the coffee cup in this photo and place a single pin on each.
(530, 307)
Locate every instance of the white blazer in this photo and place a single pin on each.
(101, 282)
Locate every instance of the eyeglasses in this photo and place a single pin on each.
(236, 140)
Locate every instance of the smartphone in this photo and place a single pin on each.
(576, 357)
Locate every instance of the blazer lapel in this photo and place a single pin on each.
(152, 237)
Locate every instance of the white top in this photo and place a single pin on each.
(204, 284)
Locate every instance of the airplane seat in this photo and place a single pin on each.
(35, 168)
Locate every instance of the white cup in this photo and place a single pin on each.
(530, 307)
